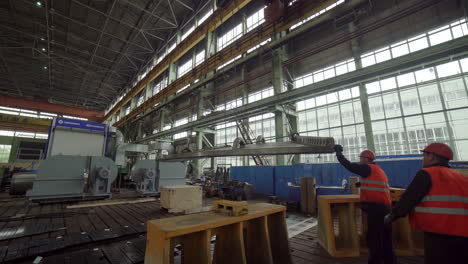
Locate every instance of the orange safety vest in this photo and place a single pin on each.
(444, 209)
(375, 188)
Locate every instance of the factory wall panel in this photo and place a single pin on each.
(273, 180)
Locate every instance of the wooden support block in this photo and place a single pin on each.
(304, 195)
(395, 194)
(352, 183)
(232, 208)
(346, 244)
(308, 204)
(311, 205)
(260, 236)
(229, 247)
(279, 238)
(197, 247)
(257, 241)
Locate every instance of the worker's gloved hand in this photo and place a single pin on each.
(357, 184)
(388, 219)
(338, 148)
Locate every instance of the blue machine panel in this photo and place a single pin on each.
(79, 124)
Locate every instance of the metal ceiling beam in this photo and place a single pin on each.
(14, 122)
(120, 21)
(33, 37)
(142, 25)
(13, 80)
(99, 31)
(112, 88)
(213, 22)
(45, 106)
(172, 12)
(184, 5)
(97, 45)
(49, 69)
(130, 3)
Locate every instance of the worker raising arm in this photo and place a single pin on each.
(375, 200)
(437, 201)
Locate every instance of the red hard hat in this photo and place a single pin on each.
(367, 154)
(440, 149)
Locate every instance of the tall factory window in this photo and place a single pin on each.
(205, 17)
(325, 73)
(316, 14)
(5, 153)
(442, 34)
(187, 32)
(407, 110)
(337, 114)
(200, 57)
(180, 135)
(229, 62)
(185, 67)
(255, 19)
(226, 133)
(229, 37)
(263, 125)
(265, 93)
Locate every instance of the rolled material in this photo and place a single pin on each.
(21, 182)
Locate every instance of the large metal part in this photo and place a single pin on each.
(145, 176)
(21, 182)
(120, 158)
(73, 177)
(151, 175)
(304, 145)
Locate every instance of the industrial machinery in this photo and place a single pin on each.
(150, 175)
(21, 182)
(145, 176)
(298, 145)
(73, 177)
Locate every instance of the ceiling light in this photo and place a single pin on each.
(43, 49)
(39, 3)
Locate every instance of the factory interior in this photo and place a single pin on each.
(214, 131)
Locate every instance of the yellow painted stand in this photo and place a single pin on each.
(260, 236)
(346, 242)
(406, 240)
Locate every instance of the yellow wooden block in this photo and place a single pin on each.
(232, 208)
(395, 193)
(346, 243)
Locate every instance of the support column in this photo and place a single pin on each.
(281, 121)
(355, 47)
(245, 100)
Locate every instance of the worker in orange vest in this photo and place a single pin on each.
(375, 201)
(437, 202)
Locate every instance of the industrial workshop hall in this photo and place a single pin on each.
(234, 131)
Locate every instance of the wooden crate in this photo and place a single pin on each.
(178, 199)
(260, 236)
